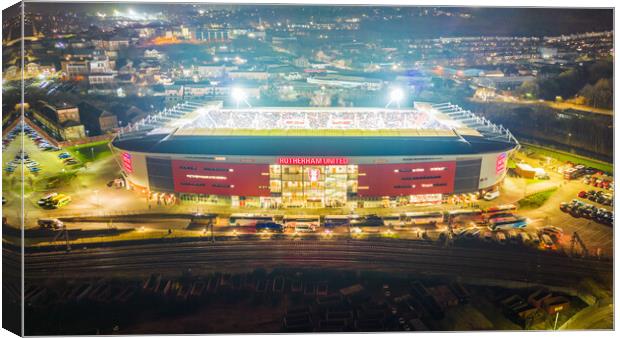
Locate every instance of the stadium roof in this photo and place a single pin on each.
(205, 129)
(311, 145)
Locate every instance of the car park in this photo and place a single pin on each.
(578, 208)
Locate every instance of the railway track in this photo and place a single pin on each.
(379, 255)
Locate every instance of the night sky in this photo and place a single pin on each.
(483, 21)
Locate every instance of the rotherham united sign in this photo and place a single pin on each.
(313, 160)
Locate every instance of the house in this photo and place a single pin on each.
(107, 122)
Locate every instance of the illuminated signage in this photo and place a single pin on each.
(313, 174)
(126, 163)
(313, 160)
(500, 163)
(206, 177)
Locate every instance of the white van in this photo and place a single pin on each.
(491, 195)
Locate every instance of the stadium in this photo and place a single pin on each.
(313, 157)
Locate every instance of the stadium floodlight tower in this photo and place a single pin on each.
(239, 95)
(396, 96)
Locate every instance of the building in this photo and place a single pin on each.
(75, 67)
(343, 81)
(61, 111)
(107, 122)
(314, 157)
(101, 78)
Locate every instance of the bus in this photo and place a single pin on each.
(504, 208)
(417, 218)
(508, 222)
(302, 221)
(269, 227)
(368, 223)
(392, 220)
(248, 219)
(331, 221)
(60, 201)
(465, 215)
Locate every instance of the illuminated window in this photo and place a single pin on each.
(438, 169)
(426, 185)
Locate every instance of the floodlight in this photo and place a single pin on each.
(396, 95)
(239, 95)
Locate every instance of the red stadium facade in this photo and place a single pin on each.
(212, 178)
(224, 155)
(406, 179)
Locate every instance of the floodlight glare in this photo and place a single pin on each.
(396, 95)
(239, 95)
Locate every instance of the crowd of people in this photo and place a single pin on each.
(326, 119)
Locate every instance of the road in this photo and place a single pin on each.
(386, 255)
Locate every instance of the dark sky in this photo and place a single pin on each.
(484, 21)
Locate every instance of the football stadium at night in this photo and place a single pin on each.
(313, 157)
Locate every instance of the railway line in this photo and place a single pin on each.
(378, 255)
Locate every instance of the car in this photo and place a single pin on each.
(35, 169)
(491, 195)
(552, 231)
(386, 290)
(71, 162)
(500, 237)
(300, 227)
(47, 198)
(487, 235)
(524, 237)
(63, 155)
(547, 242)
(582, 194)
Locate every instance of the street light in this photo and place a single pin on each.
(396, 95)
(239, 95)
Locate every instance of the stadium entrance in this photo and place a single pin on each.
(313, 186)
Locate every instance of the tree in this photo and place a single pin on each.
(599, 95)
(528, 89)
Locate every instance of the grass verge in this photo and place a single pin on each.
(536, 200)
(564, 156)
(90, 151)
